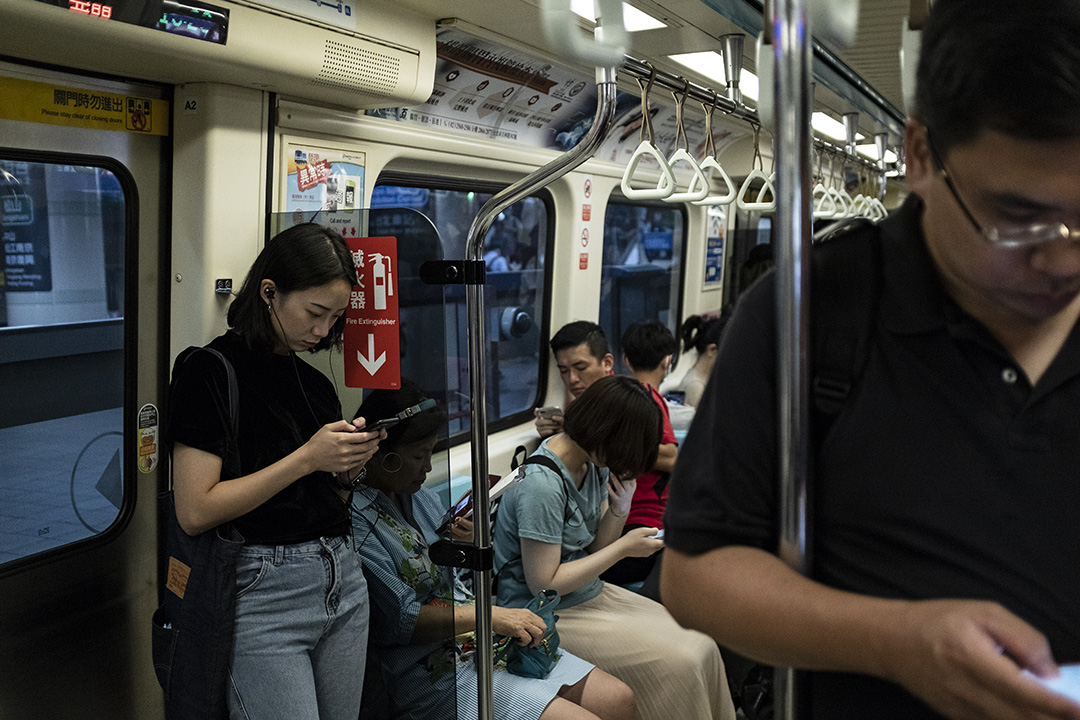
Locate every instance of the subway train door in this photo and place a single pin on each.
(83, 167)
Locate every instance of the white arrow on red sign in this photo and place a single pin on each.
(371, 363)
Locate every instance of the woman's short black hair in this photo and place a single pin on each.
(619, 423)
(380, 404)
(301, 257)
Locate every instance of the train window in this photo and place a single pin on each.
(62, 351)
(642, 274)
(516, 245)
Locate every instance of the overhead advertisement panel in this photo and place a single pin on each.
(489, 90)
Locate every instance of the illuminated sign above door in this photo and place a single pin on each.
(187, 18)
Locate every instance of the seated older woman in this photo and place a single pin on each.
(423, 620)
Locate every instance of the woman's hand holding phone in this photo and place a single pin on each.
(340, 447)
(641, 542)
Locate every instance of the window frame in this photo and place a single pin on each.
(676, 312)
(440, 182)
(130, 354)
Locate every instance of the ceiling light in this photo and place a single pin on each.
(710, 64)
(870, 151)
(635, 20)
(828, 126)
(748, 85)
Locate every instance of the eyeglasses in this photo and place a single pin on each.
(1003, 235)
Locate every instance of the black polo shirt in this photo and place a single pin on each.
(946, 474)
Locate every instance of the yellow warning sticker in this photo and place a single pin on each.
(39, 102)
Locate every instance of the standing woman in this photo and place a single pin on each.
(561, 530)
(301, 601)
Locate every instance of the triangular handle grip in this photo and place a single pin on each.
(711, 163)
(843, 209)
(663, 189)
(824, 204)
(860, 206)
(699, 184)
(847, 201)
(879, 209)
(758, 205)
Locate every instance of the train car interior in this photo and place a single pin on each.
(611, 170)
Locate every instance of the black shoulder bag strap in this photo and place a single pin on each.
(845, 282)
(230, 464)
(192, 633)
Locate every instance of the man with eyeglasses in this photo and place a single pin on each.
(944, 572)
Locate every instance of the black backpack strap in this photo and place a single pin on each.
(540, 459)
(523, 452)
(845, 282)
(545, 461)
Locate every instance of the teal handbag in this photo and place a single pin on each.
(534, 662)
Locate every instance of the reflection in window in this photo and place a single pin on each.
(642, 275)
(513, 300)
(61, 354)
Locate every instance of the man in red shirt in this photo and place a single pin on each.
(648, 348)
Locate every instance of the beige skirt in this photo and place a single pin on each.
(674, 672)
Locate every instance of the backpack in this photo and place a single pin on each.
(845, 281)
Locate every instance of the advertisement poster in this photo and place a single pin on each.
(714, 248)
(484, 89)
(372, 336)
(319, 179)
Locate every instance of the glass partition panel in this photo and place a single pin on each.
(642, 274)
(62, 360)
(397, 321)
(513, 296)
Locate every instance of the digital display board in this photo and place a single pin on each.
(190, 18)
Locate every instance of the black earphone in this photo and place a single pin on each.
(269, 292)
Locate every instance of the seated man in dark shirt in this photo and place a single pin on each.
(945, 543)
(583, 356)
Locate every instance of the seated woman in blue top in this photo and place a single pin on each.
(561, 530)
(423, 620)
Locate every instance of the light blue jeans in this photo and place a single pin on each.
(301, 632)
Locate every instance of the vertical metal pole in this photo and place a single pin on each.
(474, 302)
(793, 138)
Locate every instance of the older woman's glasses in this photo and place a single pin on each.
(1004, 234)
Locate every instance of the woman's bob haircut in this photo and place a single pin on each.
(301, 257)
(617, 421)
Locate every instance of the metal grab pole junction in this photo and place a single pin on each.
(474, 302)
(793, 137)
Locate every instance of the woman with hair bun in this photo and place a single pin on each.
(703, 334)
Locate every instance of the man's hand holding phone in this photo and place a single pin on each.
(549, 420)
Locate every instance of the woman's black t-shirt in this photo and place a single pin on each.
(283, 401)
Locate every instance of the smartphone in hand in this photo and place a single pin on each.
(550, 411)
